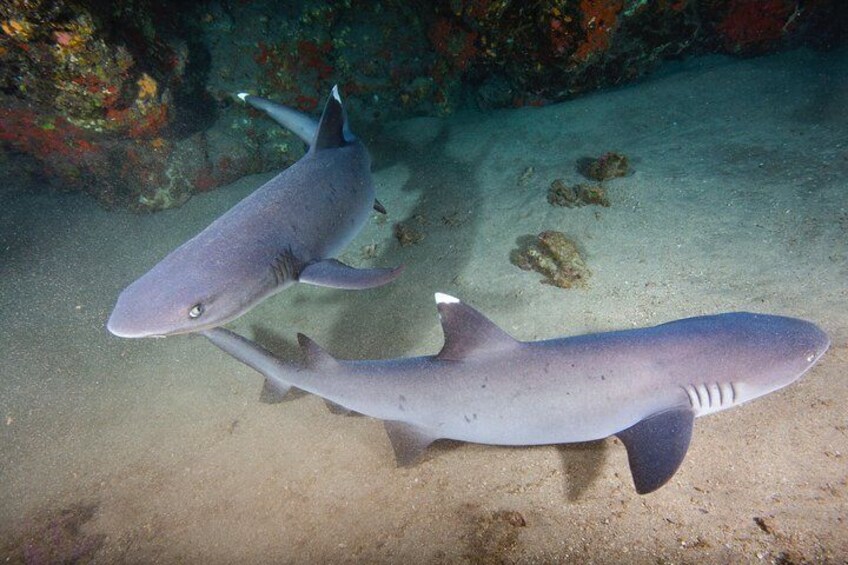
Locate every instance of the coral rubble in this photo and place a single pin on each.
(607, 166)
(560, 194)
(407, 235)
(554, 256)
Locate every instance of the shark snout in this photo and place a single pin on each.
(817, 340)
(139, 314)
(120, 324)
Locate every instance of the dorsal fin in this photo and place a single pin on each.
(333, 130)
(316, 357)
(467, 331)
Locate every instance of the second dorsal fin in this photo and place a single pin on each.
(467, 331)
(333, 130)
(316, 358)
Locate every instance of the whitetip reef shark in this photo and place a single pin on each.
(286, 231)
(645, 386)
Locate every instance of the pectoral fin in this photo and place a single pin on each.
(335, 274)
(408, 441)
(656, 447)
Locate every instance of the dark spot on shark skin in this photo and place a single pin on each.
(401, 400)
(471, 419)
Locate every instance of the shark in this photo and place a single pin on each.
(286, 231)
(645, 386)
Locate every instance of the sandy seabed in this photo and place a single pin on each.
(118, 450)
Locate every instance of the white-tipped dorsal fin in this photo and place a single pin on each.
(332, 128)
(442, 298)
(467, 331)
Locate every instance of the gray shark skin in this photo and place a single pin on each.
(644, 386)
(286, 231)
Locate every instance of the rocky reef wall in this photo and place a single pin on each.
(132, 102)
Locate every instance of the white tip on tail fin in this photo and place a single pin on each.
(442, 298)
(335, 93)
(242, 96)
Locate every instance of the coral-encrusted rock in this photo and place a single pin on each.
(111, 101)
(554, 256)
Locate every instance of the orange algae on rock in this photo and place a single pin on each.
(754, 26)
(17, 29)
(600, 19)
(554, 256)
(147, 87)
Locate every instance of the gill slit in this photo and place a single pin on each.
(285, 266)
(702, 397)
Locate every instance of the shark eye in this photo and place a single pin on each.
(196, 311)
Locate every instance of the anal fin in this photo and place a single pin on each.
(408, 441)
(273, 392)
(656, 447)
(335, 274)
(338, 409)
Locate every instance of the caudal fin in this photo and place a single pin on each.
(256, 357)
(303, 126)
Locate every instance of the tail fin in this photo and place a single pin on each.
(256, 357)
(303, 126)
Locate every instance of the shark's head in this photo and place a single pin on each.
(781, 349)
(746, 356)
(174, 299)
